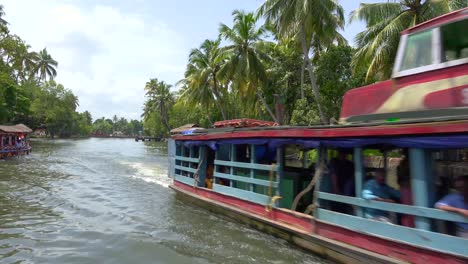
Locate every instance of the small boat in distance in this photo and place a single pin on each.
(14, 141)
(362, 191)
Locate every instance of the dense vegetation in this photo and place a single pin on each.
(297, 56)
(29, 94)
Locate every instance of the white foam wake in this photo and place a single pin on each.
(151, 174)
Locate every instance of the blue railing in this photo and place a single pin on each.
(186, 167)
(421, 236)
(247, 186)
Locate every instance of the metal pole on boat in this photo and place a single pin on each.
(359, 176)
(419, 184)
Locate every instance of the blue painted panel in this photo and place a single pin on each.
(242, 194)
(243, 165)
(171, 152)
(422, 238)
(178, 167)
(398, 208)
(419, 184)
(245, 179)
(187, 159)
(184, 179)
(359, 175)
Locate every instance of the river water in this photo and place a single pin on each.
(108, 201)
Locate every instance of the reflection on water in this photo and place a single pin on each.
(108, 201)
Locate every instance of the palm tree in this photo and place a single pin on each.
(245, 68)
(45, 66)
(160, 99)
(201, 77)
(24, 62)
(314, 22)
(378, 43)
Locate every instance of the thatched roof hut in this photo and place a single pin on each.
(20, 128)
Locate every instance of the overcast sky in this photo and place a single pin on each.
(108, 49)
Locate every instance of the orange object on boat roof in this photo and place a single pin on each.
(244, 122)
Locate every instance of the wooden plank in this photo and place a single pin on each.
(187, 159)
(413, 236)
(178, 167)
(242, 194)
(184, 179)
(392, 207)
(245, 179)
(244, 165)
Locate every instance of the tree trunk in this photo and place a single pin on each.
(310, 68)
(260, 97)
(218, 97)
(304, 63)
(165, 119)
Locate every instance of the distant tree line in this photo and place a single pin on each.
(116, 126)
(29, 94)
(297, 56)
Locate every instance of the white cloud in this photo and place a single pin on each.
(105, 55)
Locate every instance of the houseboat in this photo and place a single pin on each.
(14, 141)
(283, 180)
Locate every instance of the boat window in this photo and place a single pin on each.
(195, 152)
(223, 152)
(185, 151)
(418, 51)
(178, 150)
(455, 43)
(293, 156)
(448, 166)
(242, 153)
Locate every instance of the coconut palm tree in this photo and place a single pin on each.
(201, 77)
(24, 62)
(160, 99)
(315, 23)
(244, 67)
(46, 65)
(378, 43)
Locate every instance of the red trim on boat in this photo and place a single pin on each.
(385, 247)
(438, 21)
(384, 130)
(304, 223)
(311, 226)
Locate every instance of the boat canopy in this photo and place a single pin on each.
(424, 142)
(20, 128)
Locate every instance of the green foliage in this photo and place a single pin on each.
(55, 107)
(25, 95)
(114, 126)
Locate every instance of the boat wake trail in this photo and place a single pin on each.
(151, 174)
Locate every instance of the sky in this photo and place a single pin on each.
(108, 49)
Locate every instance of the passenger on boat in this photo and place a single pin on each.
(342, 175)
(209, 176)
(403, 173)
(377, 189)
(457, 203)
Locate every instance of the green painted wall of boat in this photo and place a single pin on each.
(287, 192)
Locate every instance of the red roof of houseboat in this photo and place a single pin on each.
(440, 20)
(361, 130)
(244, 122)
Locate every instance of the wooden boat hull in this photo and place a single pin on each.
(14, 152)
(323, 239)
